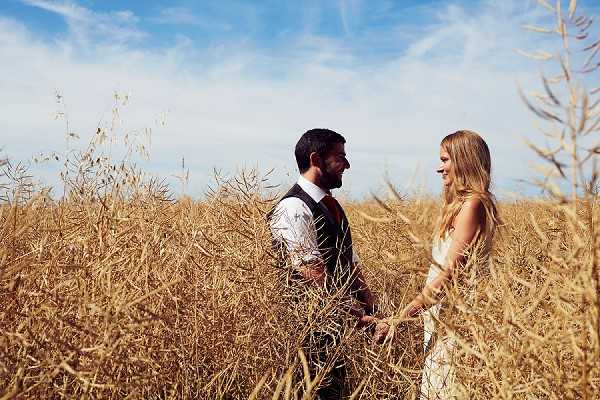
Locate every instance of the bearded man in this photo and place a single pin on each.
(311, 229)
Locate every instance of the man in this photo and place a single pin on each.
(310, 226)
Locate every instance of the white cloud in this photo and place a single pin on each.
(66, 9)
(226, 108)
(182, 15)
(86, 27)
(349, 10)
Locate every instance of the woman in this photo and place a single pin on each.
(467, 225)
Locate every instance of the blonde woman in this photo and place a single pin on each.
(468, 222)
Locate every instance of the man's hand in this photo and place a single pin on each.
(313, 273)
(365, 320)
(381, 331)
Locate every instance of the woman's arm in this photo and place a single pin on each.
(469, 220)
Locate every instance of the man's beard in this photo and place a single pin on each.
(331, 180)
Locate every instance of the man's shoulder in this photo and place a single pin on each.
(292, 203)
(294, 197)
(294, 191)
(290, 212)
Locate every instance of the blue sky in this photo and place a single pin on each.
(368, 33)
(268, 24)
(232, 84)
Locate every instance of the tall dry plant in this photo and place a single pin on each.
(568, 109)
(570, 112)
(119, 290)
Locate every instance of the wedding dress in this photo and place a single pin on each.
(438, 374)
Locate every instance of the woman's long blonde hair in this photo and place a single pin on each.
(471, 167)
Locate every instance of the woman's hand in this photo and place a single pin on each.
(412, 310)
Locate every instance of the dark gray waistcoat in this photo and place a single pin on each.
(334, 241)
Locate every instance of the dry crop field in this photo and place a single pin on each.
(140, 296)
(116, 290)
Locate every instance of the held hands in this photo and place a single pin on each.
(366, 320)
(381, 327)
(381, 331)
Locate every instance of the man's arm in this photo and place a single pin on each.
(360, 288)
(367, 313)
(293, 225)
(362, 293)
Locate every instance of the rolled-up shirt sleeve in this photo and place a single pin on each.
(292, 224)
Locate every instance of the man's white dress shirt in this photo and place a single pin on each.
(293, 224)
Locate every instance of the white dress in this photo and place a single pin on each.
(438, 374)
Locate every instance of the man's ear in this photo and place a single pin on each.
(315, 159)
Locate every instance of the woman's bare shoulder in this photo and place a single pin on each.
(473, 203)
(472, 209)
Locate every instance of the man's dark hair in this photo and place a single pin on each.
(317, 140)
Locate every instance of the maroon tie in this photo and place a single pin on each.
(333, 207)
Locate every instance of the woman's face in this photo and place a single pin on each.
(445, 168)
